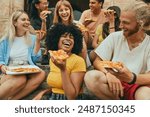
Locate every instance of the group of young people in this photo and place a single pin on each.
(129, 45)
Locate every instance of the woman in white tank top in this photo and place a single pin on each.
(19, 47)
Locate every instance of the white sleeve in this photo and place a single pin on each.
(148, 63)
(106, 48)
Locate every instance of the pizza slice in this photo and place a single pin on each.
(40, 31)
(59, 54)
(25, 70)
(111, 64)
(81, 27)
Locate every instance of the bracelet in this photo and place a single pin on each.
(134, 79)
(111, 27)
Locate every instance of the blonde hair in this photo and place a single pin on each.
(142, 13)
(57, 18)
(10, 31)
(143, 16)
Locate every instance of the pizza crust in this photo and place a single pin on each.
(111, 64)
(24, 70)
(59, 54)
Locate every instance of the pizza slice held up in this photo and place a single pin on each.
(81, 27)
(59, 54)
(40, 31)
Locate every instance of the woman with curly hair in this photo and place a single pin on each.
(66, 78)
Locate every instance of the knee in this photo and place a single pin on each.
(38, 79)
(89, 77)
(42, 75)
(93, 78)
(142, 97)
(142, 93)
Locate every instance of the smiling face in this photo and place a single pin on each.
(66, 42)
(94, 5)
(22, 24)
(128, 23)
(64, 13)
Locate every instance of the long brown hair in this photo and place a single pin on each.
(57, 18)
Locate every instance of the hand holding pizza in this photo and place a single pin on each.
(118, 69)
(114, 66)
(59, 58)
(109, 14)
(124, 74)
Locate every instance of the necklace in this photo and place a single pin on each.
(136, 44)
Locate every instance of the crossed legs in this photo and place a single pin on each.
(11, 85)
(33, 81)
(19, 86)
(96, 82)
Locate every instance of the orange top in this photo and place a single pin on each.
(92, 26)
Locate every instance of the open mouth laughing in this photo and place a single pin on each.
(67, 43)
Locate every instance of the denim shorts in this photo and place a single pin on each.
(56, 96)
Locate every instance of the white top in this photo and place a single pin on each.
(115, 48)
(19, 50)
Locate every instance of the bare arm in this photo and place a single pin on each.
(41, 34)
(37, 46)
(95, 41)
(143, 79)
(109, 14)
(97, 65)
(43, 16)
(72, 84)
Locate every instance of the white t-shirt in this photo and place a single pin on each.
(115, 48)
(19, 50)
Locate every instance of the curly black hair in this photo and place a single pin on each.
(57, 30)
